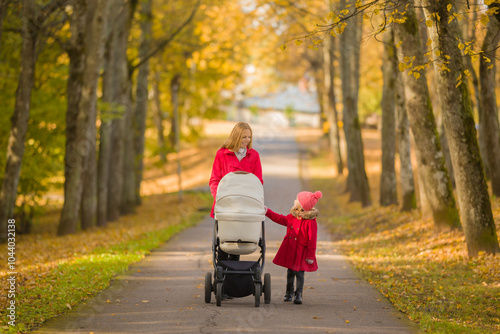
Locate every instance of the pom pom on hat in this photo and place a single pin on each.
(308, 199)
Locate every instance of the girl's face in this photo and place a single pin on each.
(246, 138)
(296, 210)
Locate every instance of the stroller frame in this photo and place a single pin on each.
(224, 269)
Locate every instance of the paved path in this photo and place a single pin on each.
(164, 293)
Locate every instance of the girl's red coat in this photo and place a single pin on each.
(298, 244)
(226, 162)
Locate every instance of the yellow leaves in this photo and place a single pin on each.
(448, 7)
(298, 42)
(344, 12)
(492, 11)
(340, 28)
(484, 19)
(283, 47)
(428, 23)
(461, 46)
(459, 17)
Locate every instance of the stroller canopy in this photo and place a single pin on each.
(240, 196)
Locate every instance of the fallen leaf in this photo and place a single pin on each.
(145, 301)
(317, 318)
(69, 306)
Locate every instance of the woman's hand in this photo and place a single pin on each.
(309, 261)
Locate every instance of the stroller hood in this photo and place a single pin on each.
(240, 196)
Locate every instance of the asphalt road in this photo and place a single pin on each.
(164, 293)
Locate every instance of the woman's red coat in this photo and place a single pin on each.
(226, 162)
(298, 244)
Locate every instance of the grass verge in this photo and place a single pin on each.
(57, 273)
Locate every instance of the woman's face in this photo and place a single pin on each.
(245, 140)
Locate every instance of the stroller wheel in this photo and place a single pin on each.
(218, 293)
(258, 291)
(267, 288)
(208, 287)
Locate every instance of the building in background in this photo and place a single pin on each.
(294, 105)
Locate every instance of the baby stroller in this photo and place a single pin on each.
(239, 230)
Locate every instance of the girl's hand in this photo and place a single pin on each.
(265, 209)
(309, 261)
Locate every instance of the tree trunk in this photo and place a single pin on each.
(403, 143)
(89, 194)
(108, 112)
(128, 201)
(357, 181)
(87, 37)
(141, 97)
(17, 136)
(443, 139)
(435, 100)
(127, 205)
(329, 103)
(432, 173)
(472, 190)
(122, 99)
(488, 118)
(158, 119)
(388, 193)
(95, 43)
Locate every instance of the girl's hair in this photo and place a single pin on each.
(233, 143)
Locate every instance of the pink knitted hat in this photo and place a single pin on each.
(308, 200)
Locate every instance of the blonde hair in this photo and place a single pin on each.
(233, 143)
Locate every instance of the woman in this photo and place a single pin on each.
(236, 154)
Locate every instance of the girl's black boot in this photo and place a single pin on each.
(298, 297)
(289, 293)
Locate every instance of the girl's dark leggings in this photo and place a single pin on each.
(290, 275)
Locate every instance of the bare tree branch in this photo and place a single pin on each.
(167, 41)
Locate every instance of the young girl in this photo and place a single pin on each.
(297, 252)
